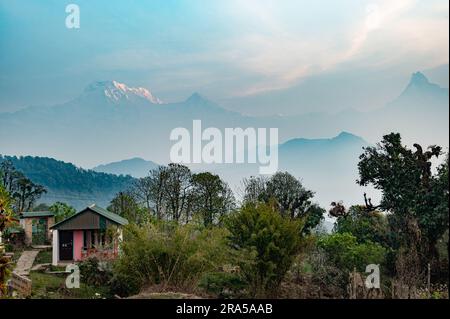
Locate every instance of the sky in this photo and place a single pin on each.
(254, 56)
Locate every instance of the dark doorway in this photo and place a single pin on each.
(39, 231)
(65, 245)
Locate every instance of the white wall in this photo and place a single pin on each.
(55, 248)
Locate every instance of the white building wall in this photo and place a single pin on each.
(55, 248)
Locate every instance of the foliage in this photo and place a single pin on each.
(168, 255)
(65, 180)
(23, 191)
(173, 193)
(417, 198)
(212, 198)
(269, 240)
(346, 253)
(93, 273)
(62, 211)
(365, 226)
(289, 195)
(125, 204)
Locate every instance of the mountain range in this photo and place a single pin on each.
(109, 122)
(320, 163)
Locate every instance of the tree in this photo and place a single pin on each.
(8, 175)
(150, 191)
(364, 226)
(27, 193)
(254, 188)
(270, 239)
(125, 205)
(417, 199)
(23, 190)
(142, 191)
(177, 191)
(212, 198)
(62, 211)
(290, 197)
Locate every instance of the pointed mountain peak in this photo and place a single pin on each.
(420, 85)
(196, 98)
(115, 91)
(418, 78)
(344, 134)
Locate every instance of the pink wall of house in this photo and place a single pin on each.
(77, 244)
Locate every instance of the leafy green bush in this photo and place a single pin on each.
(346, 253)
(267, 242)
(364, 225)
(93, 273)
(168, 255)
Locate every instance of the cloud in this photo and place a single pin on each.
(380, 33)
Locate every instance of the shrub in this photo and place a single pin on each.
(346, 253)
(267, 243)
(168, 255)
(94, 273)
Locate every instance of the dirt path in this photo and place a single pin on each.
(25, 262)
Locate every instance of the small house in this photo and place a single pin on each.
(93, 231)
(37, 226)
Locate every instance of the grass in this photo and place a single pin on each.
(52, 286)
(44, 257)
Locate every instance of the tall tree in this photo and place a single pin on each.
(417, 198)
(23, 191)
(291, 198)
(126, 205)
(177, 191)
(212, 198)
(26, 194)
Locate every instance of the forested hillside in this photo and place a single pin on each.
(67, 183)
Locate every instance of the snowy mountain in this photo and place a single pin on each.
(116, 92)
(112, 120)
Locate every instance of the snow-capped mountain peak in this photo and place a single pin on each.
(116, 91)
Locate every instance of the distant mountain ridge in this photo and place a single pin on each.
(328, 166)
(67, 183)
(116, 121)
(123, 123)
(135, 167)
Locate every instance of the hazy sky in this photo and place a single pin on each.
(357, 53)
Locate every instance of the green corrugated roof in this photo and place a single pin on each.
(101, 211)
(114, 217)
(36, 214)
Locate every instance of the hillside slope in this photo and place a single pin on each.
(67, 183)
